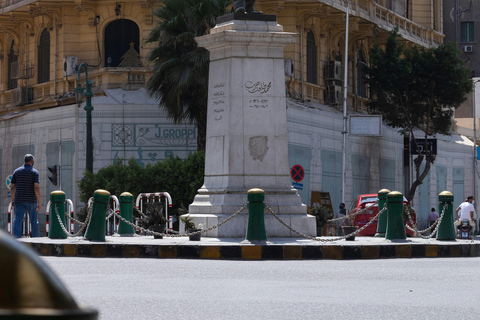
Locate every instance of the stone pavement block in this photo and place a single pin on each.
(230, 252)
(352, 252)
(455, 251)
(251, 252)
(210, 252)
(270, 252)
(431, 250)
(188, 251)
(45, 249)
(57, 249)
(370, 252)
(292, 252)
(131, 251)
(148, 251)
(403, 251)
(83, 250)
(114, 251)
(387, 251)
(69, 250)
(332, 252)
(312, 252)
(444, 250)
(98, 250)
(418, 250)
(167, 252)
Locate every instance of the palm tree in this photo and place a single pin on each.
(180, 68)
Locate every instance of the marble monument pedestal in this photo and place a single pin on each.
(247, 138)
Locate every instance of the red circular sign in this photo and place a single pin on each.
(297, 173)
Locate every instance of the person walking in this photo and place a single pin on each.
(432, 217)
(25, 190)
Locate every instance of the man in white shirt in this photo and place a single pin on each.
(466, 213)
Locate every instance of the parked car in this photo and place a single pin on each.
(367, 200)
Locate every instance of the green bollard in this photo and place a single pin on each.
(96, 226)
(395, 224)
(57, 204)
(446, 229)
(382, 219)
(256, 222)
(126, 212)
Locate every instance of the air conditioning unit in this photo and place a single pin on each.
(334, 70)
(20, 71)
(69, 65)
(289, 65)
(20, 96)
(468, 48)
(334, 95)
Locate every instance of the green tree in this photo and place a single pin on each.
(415, 88)
(180, 68)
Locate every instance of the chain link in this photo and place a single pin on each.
(325, 240)
(87, 219)
(436, 224)
(177, 234)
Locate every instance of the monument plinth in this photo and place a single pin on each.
(247, 138)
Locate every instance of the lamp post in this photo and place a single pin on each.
(88, 109)
(345, 87)
(475, 80)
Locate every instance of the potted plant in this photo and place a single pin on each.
(190, 227)
(154, 219)
(322, 215)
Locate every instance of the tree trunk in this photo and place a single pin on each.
(420, 177)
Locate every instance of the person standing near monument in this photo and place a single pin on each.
(25, 190)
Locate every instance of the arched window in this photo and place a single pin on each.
(311, 58)
(12, 57)
(44, 57)
(118, 36)
(361, 85)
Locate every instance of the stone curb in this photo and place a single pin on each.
(256, 252)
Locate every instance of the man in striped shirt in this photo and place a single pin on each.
(25, 190)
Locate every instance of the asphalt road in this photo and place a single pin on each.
(320, 289)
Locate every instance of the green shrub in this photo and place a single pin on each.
(180, 178)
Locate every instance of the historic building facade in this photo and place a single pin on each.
(42, 44)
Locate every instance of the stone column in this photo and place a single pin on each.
(247, 138)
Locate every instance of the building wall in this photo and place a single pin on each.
(373, 163)
(125, 124)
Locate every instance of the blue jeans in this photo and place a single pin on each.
(31, 208)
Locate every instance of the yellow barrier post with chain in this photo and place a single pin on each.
(126, 211)
(96, 226)
(446, 229)
(57, 209)
(395, 224)
(256, 217)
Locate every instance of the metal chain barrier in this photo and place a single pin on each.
(348, 216)
(75, 220)
(177, 235)
(111, 214)
(326, 240)
(83, 226)
(436, 224)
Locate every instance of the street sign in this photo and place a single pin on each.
(431, 146)
(9, 182)
(365, 125)
(298, 186)
(297, 173)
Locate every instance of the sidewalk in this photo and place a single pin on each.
(235, 248)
